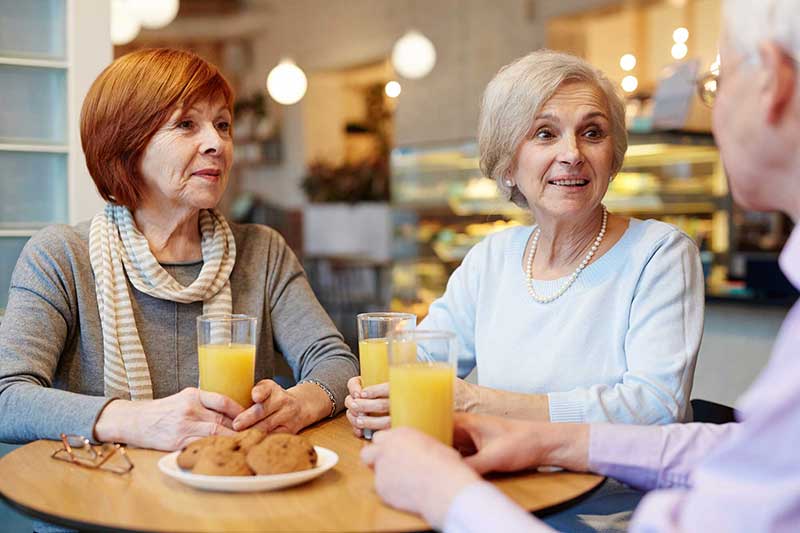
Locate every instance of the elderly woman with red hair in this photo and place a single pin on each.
(99, 337)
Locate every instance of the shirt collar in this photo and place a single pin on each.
(790, 257)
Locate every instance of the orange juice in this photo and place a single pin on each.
(374, 357)
(228, 369)
(421, 396)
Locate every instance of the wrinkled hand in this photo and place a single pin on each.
(417, 473)
(466, 396)
(367, 408)
(494, 444)
(168, 423)
(275, 409)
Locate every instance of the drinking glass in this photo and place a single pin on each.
(373, 351)
(226, 349)
(422, 371)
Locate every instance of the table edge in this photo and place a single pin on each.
(60, 521)
(562, 506)
(86, 526)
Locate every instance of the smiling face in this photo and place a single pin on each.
(186, 163)
(564, 165)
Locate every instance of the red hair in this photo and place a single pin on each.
(129, 102)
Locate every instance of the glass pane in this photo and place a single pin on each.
(33, 105)
(33, 187)
(33, 29)
(10, 248)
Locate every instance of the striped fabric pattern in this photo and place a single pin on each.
(119, 252)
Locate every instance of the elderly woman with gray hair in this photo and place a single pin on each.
(585, 316)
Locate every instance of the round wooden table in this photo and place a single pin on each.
(342, 499)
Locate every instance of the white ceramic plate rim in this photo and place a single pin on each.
(326, 459)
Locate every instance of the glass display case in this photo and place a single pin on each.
(443, 206)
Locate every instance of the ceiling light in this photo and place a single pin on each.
(392, 89)
(413, 55)
(287, 83)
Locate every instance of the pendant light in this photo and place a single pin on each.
(287, 83)
(413, 55)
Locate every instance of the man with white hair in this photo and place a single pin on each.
(743, 476)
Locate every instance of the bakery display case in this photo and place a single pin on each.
(442, 206)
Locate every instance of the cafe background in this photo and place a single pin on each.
(362, 151)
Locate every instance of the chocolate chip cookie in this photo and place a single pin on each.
(189, 454)
(280, 453)
(220, 462)
(248, 438)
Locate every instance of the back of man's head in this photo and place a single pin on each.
(751, 22)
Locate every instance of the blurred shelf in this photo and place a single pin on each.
(32, 62)
(444, 206)
(9, 146)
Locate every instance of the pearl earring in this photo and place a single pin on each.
(509, 183)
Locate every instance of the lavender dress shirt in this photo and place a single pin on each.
(743, 476)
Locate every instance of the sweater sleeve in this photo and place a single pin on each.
(303, 331)
(40, 315)
(665, 326)
(455, 310)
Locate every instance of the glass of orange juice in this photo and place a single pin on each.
(373, 345)
(422, 371)
(226, 349)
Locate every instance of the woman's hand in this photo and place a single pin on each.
(417, 473)
(494, 444)
(281, 410)
(168, 423)
(467, 397)
(367, 408)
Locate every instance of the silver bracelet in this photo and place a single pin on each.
(325, 389)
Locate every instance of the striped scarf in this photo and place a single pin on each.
(114, 243)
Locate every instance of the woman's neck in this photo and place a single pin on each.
(564, 243)
(172, 234)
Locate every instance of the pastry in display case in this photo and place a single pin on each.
(443, 205)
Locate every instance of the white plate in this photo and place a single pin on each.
(326, 459)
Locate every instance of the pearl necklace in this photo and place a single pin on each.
(574, 275)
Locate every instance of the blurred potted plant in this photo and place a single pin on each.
(349, 214)
(365, 181)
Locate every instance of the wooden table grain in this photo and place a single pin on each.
(342, 499)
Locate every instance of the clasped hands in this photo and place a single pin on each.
(171, 423)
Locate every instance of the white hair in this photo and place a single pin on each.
(751, 22)
(516, 94)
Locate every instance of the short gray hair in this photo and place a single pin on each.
(516, 94)
(748, 23)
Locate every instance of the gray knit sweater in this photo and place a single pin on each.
(51, 342)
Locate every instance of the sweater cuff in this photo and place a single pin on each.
(332, 377)
(97, 406)
(565, 407)
(482, 507)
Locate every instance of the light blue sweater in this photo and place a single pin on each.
(619, 346)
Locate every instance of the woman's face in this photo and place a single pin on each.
(563, 166)
(187, 161)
